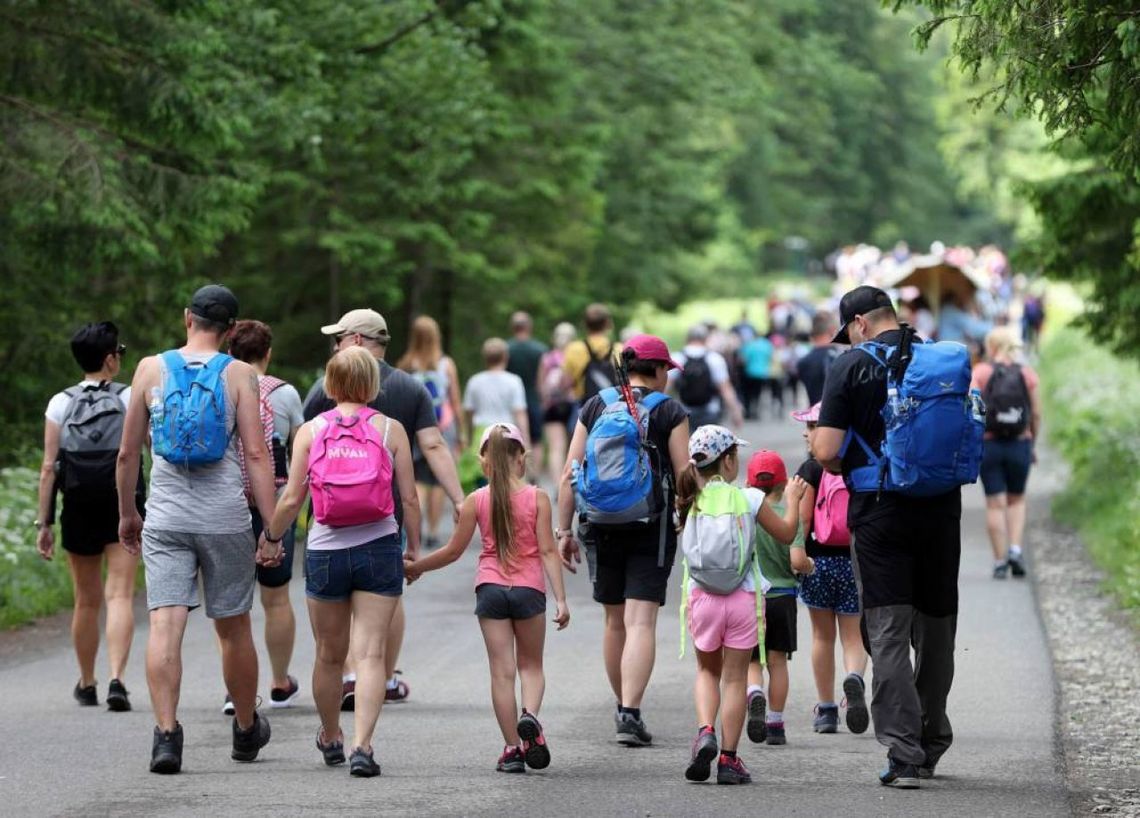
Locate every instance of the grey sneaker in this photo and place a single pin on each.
(1000, 571)
(632, 732)
(362, 764)
(900, 776)
(857, 716)
(704, 751)
(166, 754)
(248, 743)
(826, 718)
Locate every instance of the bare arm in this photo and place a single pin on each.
(826, 445)
(45, 537)
(567, 547)
(441, 463)
(801, 562)
(242, 381)
(406, 480)
(130, 454)
(453, 550)
(455, 399)
(1035, 411)
(679, 449)
(551, 562)
(293, 496)
(783, 529)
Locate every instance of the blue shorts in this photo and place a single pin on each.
(375, 567)
(832, 586)
(1005, 466)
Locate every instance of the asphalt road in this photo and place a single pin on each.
(438, 749)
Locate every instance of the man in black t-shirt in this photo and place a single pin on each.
(812, 368)
(906, 549)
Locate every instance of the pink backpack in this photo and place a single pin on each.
(350, 470)
(829, 521)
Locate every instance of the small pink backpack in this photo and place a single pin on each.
(350, 470)
(829, 521)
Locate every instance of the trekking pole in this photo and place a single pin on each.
(624, 386)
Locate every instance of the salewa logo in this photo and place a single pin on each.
(946, 385)
(344, 451)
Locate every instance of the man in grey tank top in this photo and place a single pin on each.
(198, 524)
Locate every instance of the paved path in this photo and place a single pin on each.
(438, 750)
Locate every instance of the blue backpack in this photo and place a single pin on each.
(188, 427)
(934, 421)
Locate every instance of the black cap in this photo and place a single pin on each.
(215, 303)
(859, 301)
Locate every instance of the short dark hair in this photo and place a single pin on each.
(824, 323)
(598, 318)
(92, 343)
(645, 368)
(250, 341)
(879, 314)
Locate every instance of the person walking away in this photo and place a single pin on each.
(630, 547)
(767, 476)
(426, 362)
(703, 383)
(1013, 420)
(199, 403)
(524, 353)
(407, 401)
(756, 356)
(905, 517)
(830, 592)
(83, 426)
(720, 601)
(494, 395)
(515, 525)
(280, 409)
(558, 406)
(812, 367)
(591, 362)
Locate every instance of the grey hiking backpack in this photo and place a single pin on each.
(89, 437)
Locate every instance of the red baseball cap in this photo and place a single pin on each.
(766, 461)
(650, 348)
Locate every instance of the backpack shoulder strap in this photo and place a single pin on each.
(219, 362)
(117, 388)
(269, 384)
(610, 395)
(606, 356)
(653, 400)
(878, 351)
(173, 360)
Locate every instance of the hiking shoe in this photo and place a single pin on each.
(248, 742)
(362, 764)
(898, 775)
(631, 731)
(826, 718)
(228, 708)
(704, 751)
(1000, 571)
(926, 771)
(118, 700)
(86, 696)
(166, 754)
(1016, 566)
(535, 752)
(398, 693)
(732, 771)
(348, 696)
(776, 734)
(854, 689)
(511, 761)
(757, 713)
(333, 752)
(284, 697)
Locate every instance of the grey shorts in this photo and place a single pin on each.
(174, 560)
(500, 602)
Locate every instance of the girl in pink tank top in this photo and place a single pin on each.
(516, 534)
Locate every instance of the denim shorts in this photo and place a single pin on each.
(375, 567)
(831, 587)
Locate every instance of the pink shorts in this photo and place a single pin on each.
(728, 621)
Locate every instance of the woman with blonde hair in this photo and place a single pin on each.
(557, 392)
(427, 363)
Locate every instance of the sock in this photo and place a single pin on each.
(728, 753)
(755, 689)
(774, 717)
(348, 677)
(393, 683)
(856, 674)
(1014, 551)
(633, 711)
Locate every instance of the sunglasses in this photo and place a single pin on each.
(120, 350)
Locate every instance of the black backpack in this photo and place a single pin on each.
(696, 386)
(600, 373)
(89, 437)
(1007, 402)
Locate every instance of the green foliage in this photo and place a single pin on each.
(1092, 402)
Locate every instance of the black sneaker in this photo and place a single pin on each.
(900, 776)
(1000, 571)
(284, 697)
(535, 752)
(247, 743)
(333, 752)
(757, 715)
(704, 751)
(362, 764)
(86, 696)
(1016, 566)
(118, 699)
(631, 731)
(511, 761)
(166, 755)
(348, 696)
(731, 770)
(857, 716)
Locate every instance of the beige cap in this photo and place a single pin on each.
(363, 322)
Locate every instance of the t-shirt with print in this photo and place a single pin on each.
(523, 360)
(775, 557)
(812, 473)
(493, 396)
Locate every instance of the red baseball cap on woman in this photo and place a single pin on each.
(766, 462)
(650, 348)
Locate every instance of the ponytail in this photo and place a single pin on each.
(692, 480)
(498, 454)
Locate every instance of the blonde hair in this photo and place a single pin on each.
(352, 376)
(563, 334)
(495, 351)
(499, 454)
(425, 346)
(1002, 342)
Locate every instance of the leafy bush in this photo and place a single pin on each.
(1092, 413)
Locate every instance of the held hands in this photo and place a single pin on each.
(269, 554)
(412, 571)
(570, 553)
(562, 616)
(130, 532)
(45, 542)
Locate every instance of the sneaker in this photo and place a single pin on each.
(86, 696)
(535, 751)
(1016, 566)
(362, 764)
(732, 771)
(926, 771)
(284, 697)
(776, 734)
(228, 708)
(118, 700)
(348, 696)
(900, 776)
(1001, 570)
(631, 731)
(757, 713)
(166, 755)
(333, 752)
(247, 743)
(854, 689)
(826, 718)
(704, 751)
(398, 693)
(511, 761)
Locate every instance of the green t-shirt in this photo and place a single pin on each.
(775, 558)
(523, 361)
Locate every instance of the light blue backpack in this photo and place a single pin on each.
(188, 428)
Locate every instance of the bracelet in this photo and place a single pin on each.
(563, 532)
(272, 541)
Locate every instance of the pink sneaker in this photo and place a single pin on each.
(732, 771)
(511, 761)
(535, 751)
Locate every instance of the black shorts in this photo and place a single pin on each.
(1005, 466)
(907, 550)
(276, 577)
(501, 602)
(780, 623)
(623, 562)
(424, 475)
(89, 521)
(558, 413)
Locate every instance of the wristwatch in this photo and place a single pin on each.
(39, 525)
(559, 533)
